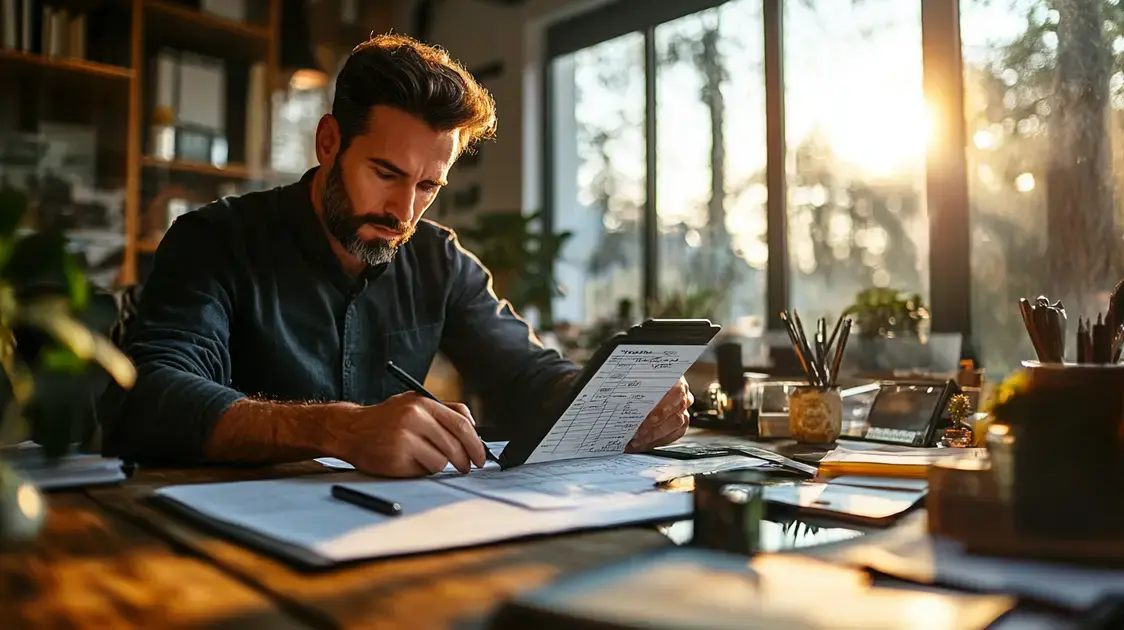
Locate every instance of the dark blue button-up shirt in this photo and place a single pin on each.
(246, 298)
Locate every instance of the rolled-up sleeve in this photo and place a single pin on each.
(495, 350)
(179, 343)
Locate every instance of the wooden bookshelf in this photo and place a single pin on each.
(15, 60)
(114, 95)
(159, 23)
(181, 27)
(230, 171)
(148, 245)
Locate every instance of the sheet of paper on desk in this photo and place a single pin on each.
(904, 456)
(884, 483)
(301, 511)
(865, 503)
(574, 483)
(68, 471)
(904, 462)
(606, 413)
(495, 447)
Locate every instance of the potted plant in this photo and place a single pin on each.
(52, 362)
(520, 254)
(892, 329)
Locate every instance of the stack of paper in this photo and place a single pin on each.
(892, 461)
(298, 518)
(69, 471)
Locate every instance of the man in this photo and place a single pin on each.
(264, 329)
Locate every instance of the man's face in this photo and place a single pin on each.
(376, 191)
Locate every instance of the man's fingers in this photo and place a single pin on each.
(653, 425)
(462, 409)
(460, 428)
(683, 398)
(674, 435)
(428, 457)
(428, 425)
(655, 430)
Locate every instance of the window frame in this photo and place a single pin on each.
(946, 174)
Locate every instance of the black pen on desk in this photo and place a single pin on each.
(420, 389)
(366, 501)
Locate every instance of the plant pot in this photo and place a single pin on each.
(22, 509)
(883, 354)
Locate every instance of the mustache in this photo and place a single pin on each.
(380, 220)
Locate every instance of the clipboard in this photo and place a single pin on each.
(653, 338)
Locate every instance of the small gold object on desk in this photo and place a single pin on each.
(815, 410)
(959, 435)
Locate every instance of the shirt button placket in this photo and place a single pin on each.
(348, 363)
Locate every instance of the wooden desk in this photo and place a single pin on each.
(108, 559)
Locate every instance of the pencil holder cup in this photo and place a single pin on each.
(1057, 443)
(815, 414)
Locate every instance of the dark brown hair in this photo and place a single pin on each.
(401, 72)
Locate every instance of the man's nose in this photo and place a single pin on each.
(401, 204)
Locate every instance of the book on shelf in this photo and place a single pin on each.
(39, 28)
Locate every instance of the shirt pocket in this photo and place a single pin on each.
(413, 350)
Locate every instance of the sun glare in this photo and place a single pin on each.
(883, 131)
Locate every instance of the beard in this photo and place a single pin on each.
(344, 224)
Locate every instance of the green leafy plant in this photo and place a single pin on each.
(887, 313)
(520, 254)
(58, 361)
(700, 303)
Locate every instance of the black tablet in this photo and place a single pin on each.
(908, 412)
(624, 380)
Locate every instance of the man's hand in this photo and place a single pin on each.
(667, 422)
(405, 436)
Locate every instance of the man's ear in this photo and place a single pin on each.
(327, 140)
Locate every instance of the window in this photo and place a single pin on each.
(1044, 103)
(1043, 90)
(296, 112)
(710, 161)
(599, 177)
(855, 128)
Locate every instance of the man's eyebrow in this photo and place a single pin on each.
(388, 165)
(394, 168)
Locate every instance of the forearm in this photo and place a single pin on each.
(256, 431)
(165, 418)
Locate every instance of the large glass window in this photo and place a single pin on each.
(1044, 99)
(599, 177)
(710, 162)
(856, 125)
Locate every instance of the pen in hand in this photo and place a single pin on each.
(420, 389)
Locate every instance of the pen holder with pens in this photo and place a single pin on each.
(815, 410)
(1057, 445)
